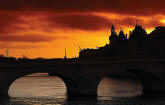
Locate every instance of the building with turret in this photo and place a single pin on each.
(113, 36)
(139, 44)
(138, 33)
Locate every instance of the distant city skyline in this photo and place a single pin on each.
(137, 44)
(44, 28)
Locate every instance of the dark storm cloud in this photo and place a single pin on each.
(28, 38)
(8, 20)
(91, 22)
(131, 7)
(78, 21)
(10, 23)
(71, 14)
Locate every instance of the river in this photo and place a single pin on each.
(44, 90)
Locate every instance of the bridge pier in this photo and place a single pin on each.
(82, 88)
(4, 93)
(152, 86)
(83, 80)
(87, 90)
(83, 91)
(5, 80)
(151, 83)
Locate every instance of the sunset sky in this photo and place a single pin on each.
(44, 28)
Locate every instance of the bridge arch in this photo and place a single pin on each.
(150, 82)
(8, 78)
(119, 87)
(39, 85)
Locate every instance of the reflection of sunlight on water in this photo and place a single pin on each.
(38, 87)
(37, 101)
(52, 91)
(109, 88)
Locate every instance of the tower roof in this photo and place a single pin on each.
(112, 28)
(138, 33)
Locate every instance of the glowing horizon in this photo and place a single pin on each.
(40, 28)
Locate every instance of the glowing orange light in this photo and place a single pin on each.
(162, 21)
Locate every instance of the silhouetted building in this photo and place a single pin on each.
(122, 36)
(139, 44)
(113, 36)
(138, 33)
(157, 39)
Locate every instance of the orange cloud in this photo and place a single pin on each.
(61, 24)
(20, 46)
(28, 38)
(78, 21)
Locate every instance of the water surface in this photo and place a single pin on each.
(38, 90)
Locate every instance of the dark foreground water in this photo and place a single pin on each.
(52, 91)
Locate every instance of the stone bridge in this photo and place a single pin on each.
(82, 79)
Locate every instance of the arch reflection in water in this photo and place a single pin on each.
(38, 86)
(117, 87)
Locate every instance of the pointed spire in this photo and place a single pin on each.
(122, 35)
(136, 20)
(113, 36)
(112, 28)
(65, 54)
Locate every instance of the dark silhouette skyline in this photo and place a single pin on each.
(138, 44)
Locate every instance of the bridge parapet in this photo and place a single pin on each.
(82, 78)
(78, 62)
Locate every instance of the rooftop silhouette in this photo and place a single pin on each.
(138, 44)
